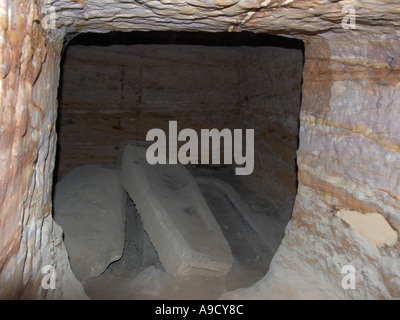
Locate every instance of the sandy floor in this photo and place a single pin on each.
(253, 235)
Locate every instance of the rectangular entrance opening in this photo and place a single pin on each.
(114, 89)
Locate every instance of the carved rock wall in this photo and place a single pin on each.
(29, 238)
(347, 158)
(115, 95)
(270, 104)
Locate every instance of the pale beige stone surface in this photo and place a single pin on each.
(89, 204)
(176, 217)
(372, 227)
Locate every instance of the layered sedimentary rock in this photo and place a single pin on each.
(114, 95)
(270, 104)
(347, 158)
(176, 216)
(89, 204)
(29, 238)
(275, 16)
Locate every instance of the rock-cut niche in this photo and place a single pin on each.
(115, 88)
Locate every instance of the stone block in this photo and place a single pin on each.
(176, 216)
(89, 204)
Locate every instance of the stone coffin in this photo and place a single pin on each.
(89, 204)
(176, 216)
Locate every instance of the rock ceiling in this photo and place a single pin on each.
(297, 18)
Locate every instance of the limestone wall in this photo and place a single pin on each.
(347, 209)
(29, 238)
(270, 104)
(347, 158)
(112, 95)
